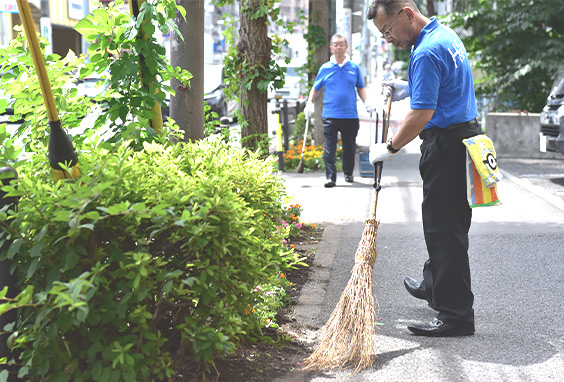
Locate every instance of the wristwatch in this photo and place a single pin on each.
(391, 148)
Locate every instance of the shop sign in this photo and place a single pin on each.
(8, 6)
(76, 9)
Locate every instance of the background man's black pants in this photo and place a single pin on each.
(349, 130)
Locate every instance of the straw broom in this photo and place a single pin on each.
(347, 337)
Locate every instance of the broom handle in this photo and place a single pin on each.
(305, 136)
(378, 165)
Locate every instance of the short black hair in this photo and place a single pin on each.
(389, 7)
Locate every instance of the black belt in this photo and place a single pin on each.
(433, 131)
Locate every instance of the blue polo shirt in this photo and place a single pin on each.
(440, 76)
(339, 97)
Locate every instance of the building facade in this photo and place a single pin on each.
(55, 20)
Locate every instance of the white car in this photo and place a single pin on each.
(294, 85)
(552, 120)
(92, 85)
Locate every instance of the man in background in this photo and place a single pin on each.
(342, 79)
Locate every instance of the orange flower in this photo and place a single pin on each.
(282, 275)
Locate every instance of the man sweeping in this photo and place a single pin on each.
(443, 112)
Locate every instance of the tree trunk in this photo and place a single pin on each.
(253, 48)
(431, 10)
(187, 106)
(319, 16)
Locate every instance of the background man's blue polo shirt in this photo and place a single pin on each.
(339, 97)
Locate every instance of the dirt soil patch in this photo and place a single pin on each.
(262, 361)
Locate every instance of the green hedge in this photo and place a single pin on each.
(148, 256)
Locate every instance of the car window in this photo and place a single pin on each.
(291, 71)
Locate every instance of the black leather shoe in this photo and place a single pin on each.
(349, 178)
(437, 328)
(329, 183)
(414, 288)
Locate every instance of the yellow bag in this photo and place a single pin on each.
(482, 173)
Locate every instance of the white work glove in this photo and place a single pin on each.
(308, 110)
(401, 89)
(379, 152)
(369, 105)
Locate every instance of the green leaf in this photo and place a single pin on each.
(14, 248)
(168, 287)
(32, 267)
(97, 371)
(35, 251)
(94, 349)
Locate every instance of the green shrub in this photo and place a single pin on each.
(299, 126)
(148, 256)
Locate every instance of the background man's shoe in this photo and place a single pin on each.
(414, 288)
(437, 328)
(349, 178)
(329, 183)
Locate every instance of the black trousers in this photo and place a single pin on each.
(446, 222)
(349, 130)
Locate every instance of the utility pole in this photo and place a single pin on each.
(187, 106)
(366, 50)
(45, 25)
(321, 15)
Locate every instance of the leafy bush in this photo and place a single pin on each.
(299, 126)
(148, 256)
(20, 82)
(135, 85)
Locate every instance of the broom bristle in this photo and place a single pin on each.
(347, 337)
(301, 166)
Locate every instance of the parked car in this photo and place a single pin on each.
(295, 82)
(214, 82)
(294, 85)
(552, 119)
(91, 86)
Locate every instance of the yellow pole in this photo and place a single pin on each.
(279, 145)
(157, 121)
(61, 149)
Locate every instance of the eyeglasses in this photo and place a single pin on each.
(388, 32)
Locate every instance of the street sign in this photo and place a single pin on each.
(11, 6)
(47, 32)
(8, 6)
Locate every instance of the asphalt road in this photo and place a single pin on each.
(516, 252)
